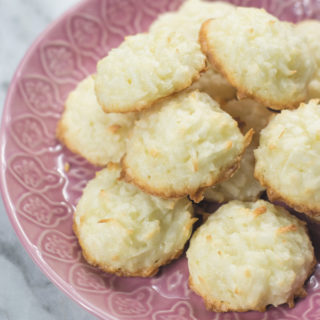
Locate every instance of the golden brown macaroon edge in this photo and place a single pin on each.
(220, 306)
(121, 272)
(195, 195)
(242, 91)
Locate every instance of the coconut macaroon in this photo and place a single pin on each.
(188, 19)
(287, 160)
(262, 57)
(203, 10)
(127, 232)
(249, 255)
(182, 145)
(249, 114)
(86, 130)
(147, 67)
(310, 30)
(215, 85)
(191, 15)
(242, 185)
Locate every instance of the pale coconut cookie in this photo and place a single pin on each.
(215, 85)
(200, 10)
(249, 255)
(310, 30)
(191, 15)
(249, 114)
(86, 130)
(262, 57)
(147, 67)
(287, 160)
(127, 232)
(242, 185)
(182, 145)
(188, 19)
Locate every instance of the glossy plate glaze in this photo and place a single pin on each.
(41, 181)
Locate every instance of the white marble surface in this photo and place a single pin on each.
(26, 294)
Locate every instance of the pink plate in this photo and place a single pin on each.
(40, 194)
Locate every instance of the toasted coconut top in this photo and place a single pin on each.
(188, 19)
(287, 160)
(262, 57)
(250, 115)
(248, 255)
(86, 130)
(205, 9)
(147, 67)
(243, 185)
(215, 85)
(310, 31)
(183, 144)
(191, 15)
(123, 230)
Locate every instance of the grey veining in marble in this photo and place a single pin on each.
(25, 293)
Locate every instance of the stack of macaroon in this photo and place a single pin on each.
(190, 112)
